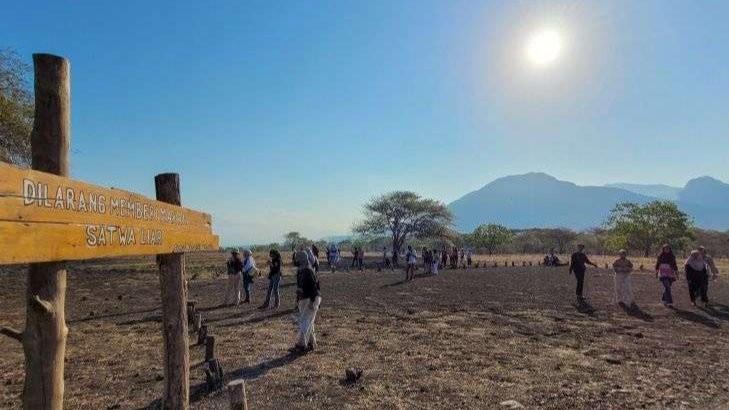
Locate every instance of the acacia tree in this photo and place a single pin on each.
(293, 239)
(403, 215)
(16, 109)
(559, 238)
(491, 236)
(645, 227)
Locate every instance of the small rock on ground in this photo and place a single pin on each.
(511, 404)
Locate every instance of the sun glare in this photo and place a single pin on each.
(544, 47)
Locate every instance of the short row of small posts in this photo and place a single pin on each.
(214, 374)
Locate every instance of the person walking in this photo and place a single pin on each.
(469, 258)
(623, 267)
(315, 252)
(274, 280)
(444, 258)
(712, 270)
(386, 258)
(333, 257)
(434, 262)
(426, 260)
(454, 258)
(578, 262)
(308, 298)
(249, 271)
(666, 270)
(360, 259)
(235, 272)
(697, 277)
(411, 258)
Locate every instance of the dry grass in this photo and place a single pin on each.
(463, 339)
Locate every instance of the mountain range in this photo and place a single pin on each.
(538, 200)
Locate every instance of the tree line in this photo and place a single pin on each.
(401, 218)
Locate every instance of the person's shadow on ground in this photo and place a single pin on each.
(696, 318)
(254, 372)
(720, 313)
(636, 312)
(584, 307)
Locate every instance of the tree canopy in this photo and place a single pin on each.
(646, 227)
(16, 109)
(403, 215)
(294, 239)
(491, 237)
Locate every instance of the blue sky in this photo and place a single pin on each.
(285, 116)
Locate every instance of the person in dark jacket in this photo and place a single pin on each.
(666, 271)
(696, 275)
(308, 298)
(578, 262)
(235, 274)
(274, 280)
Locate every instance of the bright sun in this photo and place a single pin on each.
(544, 47)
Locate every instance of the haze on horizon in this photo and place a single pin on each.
(288, 116)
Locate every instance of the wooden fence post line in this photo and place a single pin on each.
(44, 338)
(174, 309)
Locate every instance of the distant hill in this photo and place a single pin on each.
(657, 190)
(540, 200)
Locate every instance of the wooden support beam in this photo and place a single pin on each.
(174, 309)
(44, 338)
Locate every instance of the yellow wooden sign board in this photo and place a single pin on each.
(45, 217)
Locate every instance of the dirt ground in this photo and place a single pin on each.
(463, 339)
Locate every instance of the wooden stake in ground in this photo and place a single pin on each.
(237, 392)
(174, 309)
(44, 338)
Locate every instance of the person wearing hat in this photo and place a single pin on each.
(308, 299)
(623, 287)
(249, 271)
(235, 271)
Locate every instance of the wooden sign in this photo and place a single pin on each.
(45, 217)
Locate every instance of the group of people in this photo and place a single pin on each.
(242, 271)
(433, 259)
(698, 268)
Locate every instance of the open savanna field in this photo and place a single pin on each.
(464, 339)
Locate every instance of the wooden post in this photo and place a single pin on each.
(44, 338)
(174, 309)
(237, 392)
(197, 323)
(209, 348)
(202, 335)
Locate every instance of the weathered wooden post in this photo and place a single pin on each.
(202, 335)
(44, 338)
(197, 323)
(174, 309)
(209, 348)
(237, 392)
